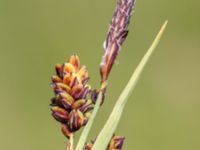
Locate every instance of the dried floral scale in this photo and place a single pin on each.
(116, 143)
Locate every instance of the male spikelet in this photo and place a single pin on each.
(117, 34)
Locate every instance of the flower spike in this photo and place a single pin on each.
(70, 106)
(116, 35)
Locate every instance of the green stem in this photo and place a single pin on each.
(84, 135)
(71, 141)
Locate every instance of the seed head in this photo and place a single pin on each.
(71, 106)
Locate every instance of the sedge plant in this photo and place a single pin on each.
(76, 103)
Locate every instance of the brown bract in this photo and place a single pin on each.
(116, 143)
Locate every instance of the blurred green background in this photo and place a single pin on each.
(164, 111)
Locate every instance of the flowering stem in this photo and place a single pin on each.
(71, 141)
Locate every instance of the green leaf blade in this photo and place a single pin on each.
(113, 120)
(84, 134)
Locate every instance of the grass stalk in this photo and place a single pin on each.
(71, 141)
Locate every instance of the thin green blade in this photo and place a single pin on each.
(84, 134)
(113, 120)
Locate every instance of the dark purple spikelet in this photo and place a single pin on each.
(117, 33)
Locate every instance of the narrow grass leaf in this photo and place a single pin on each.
(84, 134)
(113, 120)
